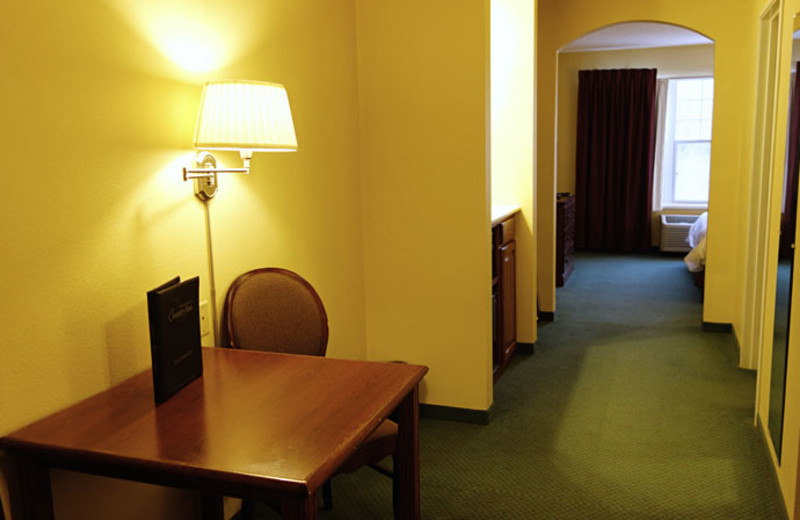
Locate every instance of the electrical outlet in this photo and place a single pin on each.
(205, 319)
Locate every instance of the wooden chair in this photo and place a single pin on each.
(277, 310)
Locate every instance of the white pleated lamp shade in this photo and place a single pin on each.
(245, 116)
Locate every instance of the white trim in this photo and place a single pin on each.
(699, 207)
(704, 75)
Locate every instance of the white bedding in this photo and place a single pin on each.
(696, 259)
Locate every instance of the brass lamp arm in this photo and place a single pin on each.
(203, 173)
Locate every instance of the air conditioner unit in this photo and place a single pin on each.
(674, 230)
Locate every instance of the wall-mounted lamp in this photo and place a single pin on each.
(243, 116)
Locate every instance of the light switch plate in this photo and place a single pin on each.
(205, 319)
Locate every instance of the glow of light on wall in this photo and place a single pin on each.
(193, 52)
(198, 37)
(504, 58)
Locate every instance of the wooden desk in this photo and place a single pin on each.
(257, 425)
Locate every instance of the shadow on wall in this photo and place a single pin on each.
(123, 350)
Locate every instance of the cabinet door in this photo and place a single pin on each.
(508, 311)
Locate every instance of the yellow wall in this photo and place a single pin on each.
(385, 207)
(687, 61)
(99, 118)
(512, 122)
(423, 94)
(564, 20)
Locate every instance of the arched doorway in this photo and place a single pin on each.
(684, 63)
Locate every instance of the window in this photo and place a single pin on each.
(687, 142)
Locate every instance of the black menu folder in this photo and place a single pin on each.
(174, 313)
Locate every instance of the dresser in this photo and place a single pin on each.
(504, 292)
(565, 237)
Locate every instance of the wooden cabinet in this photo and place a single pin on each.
(565, 237)
(508, 282)
(504, 294)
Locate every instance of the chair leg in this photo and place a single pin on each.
(247, 510)
(395, 489)
(327, 496)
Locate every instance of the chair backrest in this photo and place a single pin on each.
(276, 310)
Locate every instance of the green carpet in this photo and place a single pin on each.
(626, 411)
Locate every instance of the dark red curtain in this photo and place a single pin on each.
(789, 215)
(614, 159)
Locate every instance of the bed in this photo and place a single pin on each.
(696, 259)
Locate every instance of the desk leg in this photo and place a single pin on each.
(35, 490)
(407, 470)
(299, 508)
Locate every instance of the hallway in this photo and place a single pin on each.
(655, 409)
(627, 410)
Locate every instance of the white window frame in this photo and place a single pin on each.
(667, 198)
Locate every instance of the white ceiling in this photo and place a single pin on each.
(636, 35)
